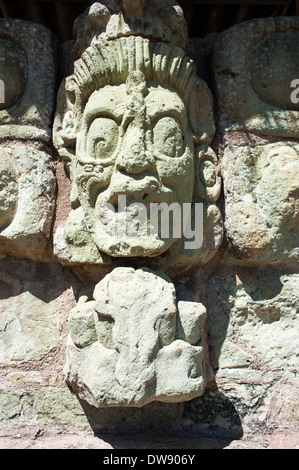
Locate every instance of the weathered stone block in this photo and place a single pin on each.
(140, 346)
(28, 73)
(261, 203)
(27, 200)
(258, 312)
(31, 307)
(58, 407)
(255, 63)
(16, 407)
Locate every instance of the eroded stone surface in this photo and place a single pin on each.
(162, 20)
(261, 203)
(255, 64)
(255, 323)
(136, 124)
(16, 407)
(27, 200)
(32, 298)
(28, 72)
(132, 344)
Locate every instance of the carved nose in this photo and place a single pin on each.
(134, 158)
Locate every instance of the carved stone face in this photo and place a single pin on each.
(134, 143)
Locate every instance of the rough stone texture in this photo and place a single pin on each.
(255, 320)
(254, 64)
(162, 20)
(250, 397)
(132, 344)
(261, 203)
(27, 200)
(143, 142)
(16, 407)
(57, 407)
(28, 71)
(31, 311)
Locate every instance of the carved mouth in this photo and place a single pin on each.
(146, 191)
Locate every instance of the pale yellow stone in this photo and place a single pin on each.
(134, 122)
(138, 346)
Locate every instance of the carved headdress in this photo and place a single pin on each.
(114, 38)
(138, 48)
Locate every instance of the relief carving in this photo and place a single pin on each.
(134, 121)
(255, 63)
(136, 341)
(134, 126)
(28, 71)
(27, 174)
(262, 213)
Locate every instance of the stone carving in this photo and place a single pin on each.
(27, 179)
(255, 64)
(28, 72)
(8, 191)
(134, 126)
(134, 121)
(261, 192)
(136, 342)
(27, 200)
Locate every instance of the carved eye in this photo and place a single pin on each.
(102, 138)
(168, 137)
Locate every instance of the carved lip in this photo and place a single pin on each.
(146, 190)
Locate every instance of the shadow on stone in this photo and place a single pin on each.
(208, 422)
(213, 416)
(44, 281)
(261, 284)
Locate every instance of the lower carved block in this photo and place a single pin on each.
(136, 342)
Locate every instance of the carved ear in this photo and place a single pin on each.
(64, 128)
(207, 175)
(201, 114)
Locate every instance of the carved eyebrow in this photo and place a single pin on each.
(169, 112)
(102, 114)
(156, 108)
(101, 106)
(115, 113)
(172, 113)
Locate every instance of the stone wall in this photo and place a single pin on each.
(245, 282)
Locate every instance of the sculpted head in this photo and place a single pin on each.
(129, 133)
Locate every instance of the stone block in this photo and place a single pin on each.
(255, 64)
(261, 187)
(138, 345)
(59, 407)
(261, 327)
(16, 407)
(27, 200)
(32, 306)
(28, 74)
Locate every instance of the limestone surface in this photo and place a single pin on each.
(28, 74)
(133, 126)
(133, 344)
(255, 64)
(254, 326)
(27, 200)
(161, 20)
(31, 305)
(261, 203)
